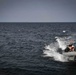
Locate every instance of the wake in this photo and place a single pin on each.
(51, 50)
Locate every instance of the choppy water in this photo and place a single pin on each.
(23, 48)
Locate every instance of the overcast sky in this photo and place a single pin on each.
(37, 10)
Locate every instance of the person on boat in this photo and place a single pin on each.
(70, 48)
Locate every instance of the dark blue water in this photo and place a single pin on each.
(22, 45)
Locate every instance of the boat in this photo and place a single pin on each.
(70, 55)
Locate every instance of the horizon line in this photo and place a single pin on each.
(37, 22)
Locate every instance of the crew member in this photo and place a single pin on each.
(70, 48)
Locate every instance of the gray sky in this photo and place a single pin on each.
(37, 10)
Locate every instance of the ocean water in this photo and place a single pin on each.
(35, 48)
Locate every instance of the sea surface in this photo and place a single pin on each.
(23, 48)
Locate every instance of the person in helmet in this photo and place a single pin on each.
(70, 48)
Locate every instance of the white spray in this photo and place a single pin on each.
(51, 50)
